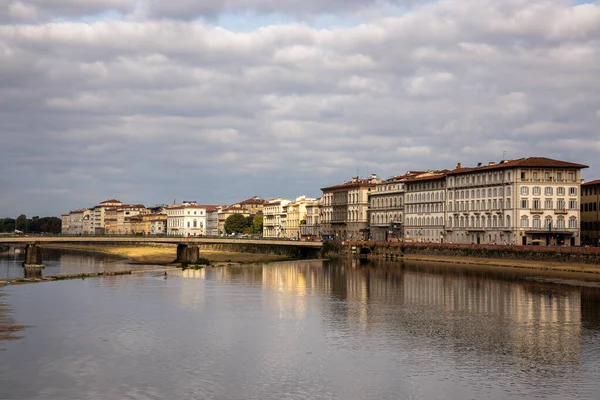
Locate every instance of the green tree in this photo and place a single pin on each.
(235, 223)
(22, 222)
(257, 224)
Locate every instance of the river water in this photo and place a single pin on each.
(300, 330)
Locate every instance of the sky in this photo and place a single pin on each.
(151, 101)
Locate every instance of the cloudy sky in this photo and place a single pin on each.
(219, 100)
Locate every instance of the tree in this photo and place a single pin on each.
(22, 222)
(235, 223)
(257, 224)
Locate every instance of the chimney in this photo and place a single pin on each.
(458, 166)
(478, 164)
(492, 163)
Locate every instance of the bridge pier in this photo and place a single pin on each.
(187, 252)
(33, 256)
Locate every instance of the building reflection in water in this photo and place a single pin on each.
(497, 312)
(8, 329)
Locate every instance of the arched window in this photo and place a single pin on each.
(508, 221)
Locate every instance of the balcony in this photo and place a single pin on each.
(561, 211)
(536, 211)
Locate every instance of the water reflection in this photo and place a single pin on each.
(61, 262)
(8, 329)
(344, 329)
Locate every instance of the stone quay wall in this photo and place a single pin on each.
(581, 255)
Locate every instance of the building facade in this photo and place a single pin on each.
(295, 217)
(312, 228)
(590, 213)
(529, 201)
(103, 217)
(386, 208)
(345, 209)
(424, 208)
(187, 219)
(274, 216)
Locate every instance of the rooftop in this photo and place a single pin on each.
(591, 183)
(531, 162)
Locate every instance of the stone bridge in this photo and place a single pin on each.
(188, 248)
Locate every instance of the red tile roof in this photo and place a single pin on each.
(531, 162)
(352, 183)
(254, 200)
(111, 201)
(591, 183)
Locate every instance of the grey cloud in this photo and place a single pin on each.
(39, 10)
(150, 110)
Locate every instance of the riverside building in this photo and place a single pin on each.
(526, 201)
(345, 209)
(386, 208)
(424, 207)
(590, 213)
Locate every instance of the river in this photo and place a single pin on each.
(298, 330)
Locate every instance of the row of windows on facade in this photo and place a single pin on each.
(190, 224)
(384, 188)
(499, 222)
(590, 226)
(589, 207)
(560, 204)
(423, 208)
(182, 212)
(476, 193)
(425, 233)
(352, 215)
(548, 191)
(588, 191)
(413, 187)
(386, 202)
(536, 204)
(479, 178)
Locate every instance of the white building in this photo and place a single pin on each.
(274, 216)
(526, 201)
(386, 208)
(312, 228)
(424, 208)
(187, 219)
(212, 221)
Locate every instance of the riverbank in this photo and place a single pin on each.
(165, 255)
(507, 263)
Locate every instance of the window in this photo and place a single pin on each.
(537, 223)
(573, 223)
(508, 203)
(524, 190)
(560, 223)
(559, 176)
(548, 191)
(573, 204)
(548, 223)
(548, 204)
(560, 191)
(560, 204)
(536, 204)
(523, 176)
(524, 222)
(537, 190)
(573, 191)
(571, 176)
(508, 191)
(524, 203)
(535, 176)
